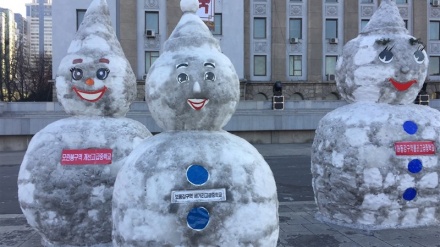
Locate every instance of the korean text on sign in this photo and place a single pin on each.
(415, 148)
(86, 157)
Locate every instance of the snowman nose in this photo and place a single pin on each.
(90, 82)
(196, 87)
(404, 69)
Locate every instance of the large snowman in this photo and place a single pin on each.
(65, 183)
(194, 184)
(375, 162)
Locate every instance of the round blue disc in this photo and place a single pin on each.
(198, 218)
(197, 174)
(409, 194)
(410, 127)
(415, 166)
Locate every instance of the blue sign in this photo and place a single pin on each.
(197, 174)
(198, 218)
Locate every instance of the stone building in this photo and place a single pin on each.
(296, 42)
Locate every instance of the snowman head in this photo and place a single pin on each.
(384, 63)
(192, 85)
(95, 78)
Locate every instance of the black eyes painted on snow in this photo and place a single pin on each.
(102, 73)
(386, 56)
(209, 76)
(419, 56)
(182, 77)
(77, 74)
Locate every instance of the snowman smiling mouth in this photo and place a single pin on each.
(197, 104)
(91, 96)
(402, 86)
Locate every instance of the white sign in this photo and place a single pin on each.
(206, 12)
(186, 196)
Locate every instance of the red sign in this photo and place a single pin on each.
(415, 148)
(86, 157)
(204, 4)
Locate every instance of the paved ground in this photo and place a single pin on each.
(298, 225)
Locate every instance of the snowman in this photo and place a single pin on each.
(375, 161)
(194, 184)
(65, 183)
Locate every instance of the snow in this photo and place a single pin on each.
(143, 211)
(70, 205)
(189, 5)
(359, 178)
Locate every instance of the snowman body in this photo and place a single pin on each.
(162, 199)
(66, 196)
(65, 183)
(377, 166)
(194, 184)
(375, 161)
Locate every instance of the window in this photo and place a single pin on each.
(434, 30)
(259, 28)
(152, 21)
(366, 1)
(331, 1)
(401, 1)
(260, 65)
(331, 28)
(295, 65)
(330, 65)
(79, 17)
(295, 28)
(364, 23)
(150, 57)
(434, 66)
(217, 24)
(406, 23)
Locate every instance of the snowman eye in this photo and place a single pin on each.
(77, 74)
(102, 73)
(419, 56)
(209, 76)
(182, 77)
(386, 56)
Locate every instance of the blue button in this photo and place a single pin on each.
(198, 218)
(197, 174)
(409, 194)
(410, 127)
(415, 166)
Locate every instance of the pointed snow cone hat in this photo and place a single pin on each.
(385, 20)
(95, 54)
(96, 32)
(191, 32)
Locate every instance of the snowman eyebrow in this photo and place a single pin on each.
(209, 65)
(383, 41)
(414, 41)
(104, 60)
(78, 60)
(182, 65)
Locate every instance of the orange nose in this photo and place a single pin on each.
(90, 82)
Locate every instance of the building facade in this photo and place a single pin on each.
(8, 38)
(39, 17)
(296, 42)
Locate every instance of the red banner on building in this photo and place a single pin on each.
(206, 12)
(415, 148)
(86, 157)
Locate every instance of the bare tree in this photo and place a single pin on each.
(25, 78)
